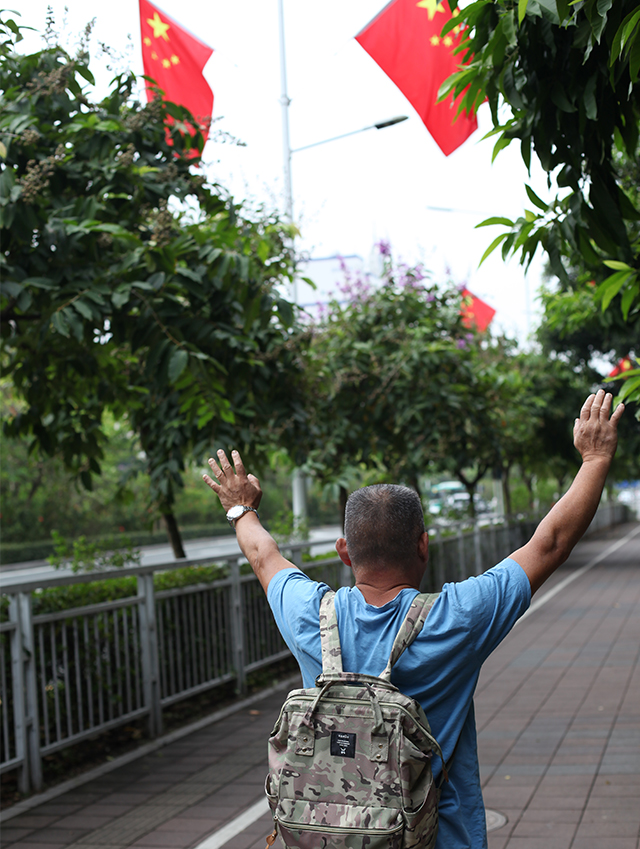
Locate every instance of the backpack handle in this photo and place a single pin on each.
(409, 630)
(306, 735)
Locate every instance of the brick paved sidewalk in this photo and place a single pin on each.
(558, 712)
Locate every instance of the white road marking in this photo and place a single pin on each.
(244, 820)
(578, 573)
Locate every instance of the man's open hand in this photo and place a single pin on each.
(233, 487)
(595, 435)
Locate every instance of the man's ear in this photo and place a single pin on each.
(341, 548)
(423, 547)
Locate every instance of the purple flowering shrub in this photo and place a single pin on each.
(401, 293)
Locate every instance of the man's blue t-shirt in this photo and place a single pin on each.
(439, 669)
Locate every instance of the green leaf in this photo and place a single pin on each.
(59, 323)
(589, 98)
(533, 197)
(3, 150)
(74, 323)
(630, 385)
(285, 311)
(120, 297)
(10, 288)
(488, 222)
(502, 142)
(156, 281)
(522, 10)
(263, 251)
(84, 309)
(509, 27)
(177, 363)
(627, 301)
(623, 34)
(610, 287)
(616, 265)
(205, 418)
(86, 73)
(634, 60)
(40, 283)
(623, 376)
(493, 246)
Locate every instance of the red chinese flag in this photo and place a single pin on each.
(175, 59)
(625, 364)
(404, 39)
(475, 312)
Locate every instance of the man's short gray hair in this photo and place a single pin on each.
(382, 524)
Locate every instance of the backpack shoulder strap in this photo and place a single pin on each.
(329, 635)
(410, 628)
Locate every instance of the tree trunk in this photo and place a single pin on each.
(173, 532)
(471, 489)
(415, 484)
(506, 490)
(344, 495)
(528, 482)
(470, 486)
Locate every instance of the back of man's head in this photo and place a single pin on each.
(382, 525)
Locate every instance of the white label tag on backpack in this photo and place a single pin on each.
(343, 744)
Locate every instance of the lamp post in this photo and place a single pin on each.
(299, 498)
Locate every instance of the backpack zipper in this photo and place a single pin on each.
(359, 702)
(337, 829)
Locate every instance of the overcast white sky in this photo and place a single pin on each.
(349, 193)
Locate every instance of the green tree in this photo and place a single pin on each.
(128, 284)
(390, 384)
(562, 78)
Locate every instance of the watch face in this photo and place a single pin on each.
(236, 512)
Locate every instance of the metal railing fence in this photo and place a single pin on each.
(70, 674)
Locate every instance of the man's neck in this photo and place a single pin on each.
(378, 596)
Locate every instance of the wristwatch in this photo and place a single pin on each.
(239, 510)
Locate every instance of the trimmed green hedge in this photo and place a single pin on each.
(19, 552)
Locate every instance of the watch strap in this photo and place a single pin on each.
(245, 509)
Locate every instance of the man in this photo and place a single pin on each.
(387, 547)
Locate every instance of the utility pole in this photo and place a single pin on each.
(298, 488)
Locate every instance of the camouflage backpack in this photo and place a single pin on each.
(350, 759)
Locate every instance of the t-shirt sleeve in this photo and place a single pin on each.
(490, 604)
(295, 603)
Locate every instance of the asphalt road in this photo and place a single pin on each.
(196, 549)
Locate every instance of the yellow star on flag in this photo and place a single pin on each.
(166, 63)
(158, 26)
(147, 40)
(175, 59)
(447, 41)
(432, 6)
(154, 55)
(435, 40)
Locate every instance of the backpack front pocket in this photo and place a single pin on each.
(310, 825)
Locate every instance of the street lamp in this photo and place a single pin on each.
(297, 484)
(379, 126)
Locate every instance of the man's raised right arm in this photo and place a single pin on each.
(595, 437)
